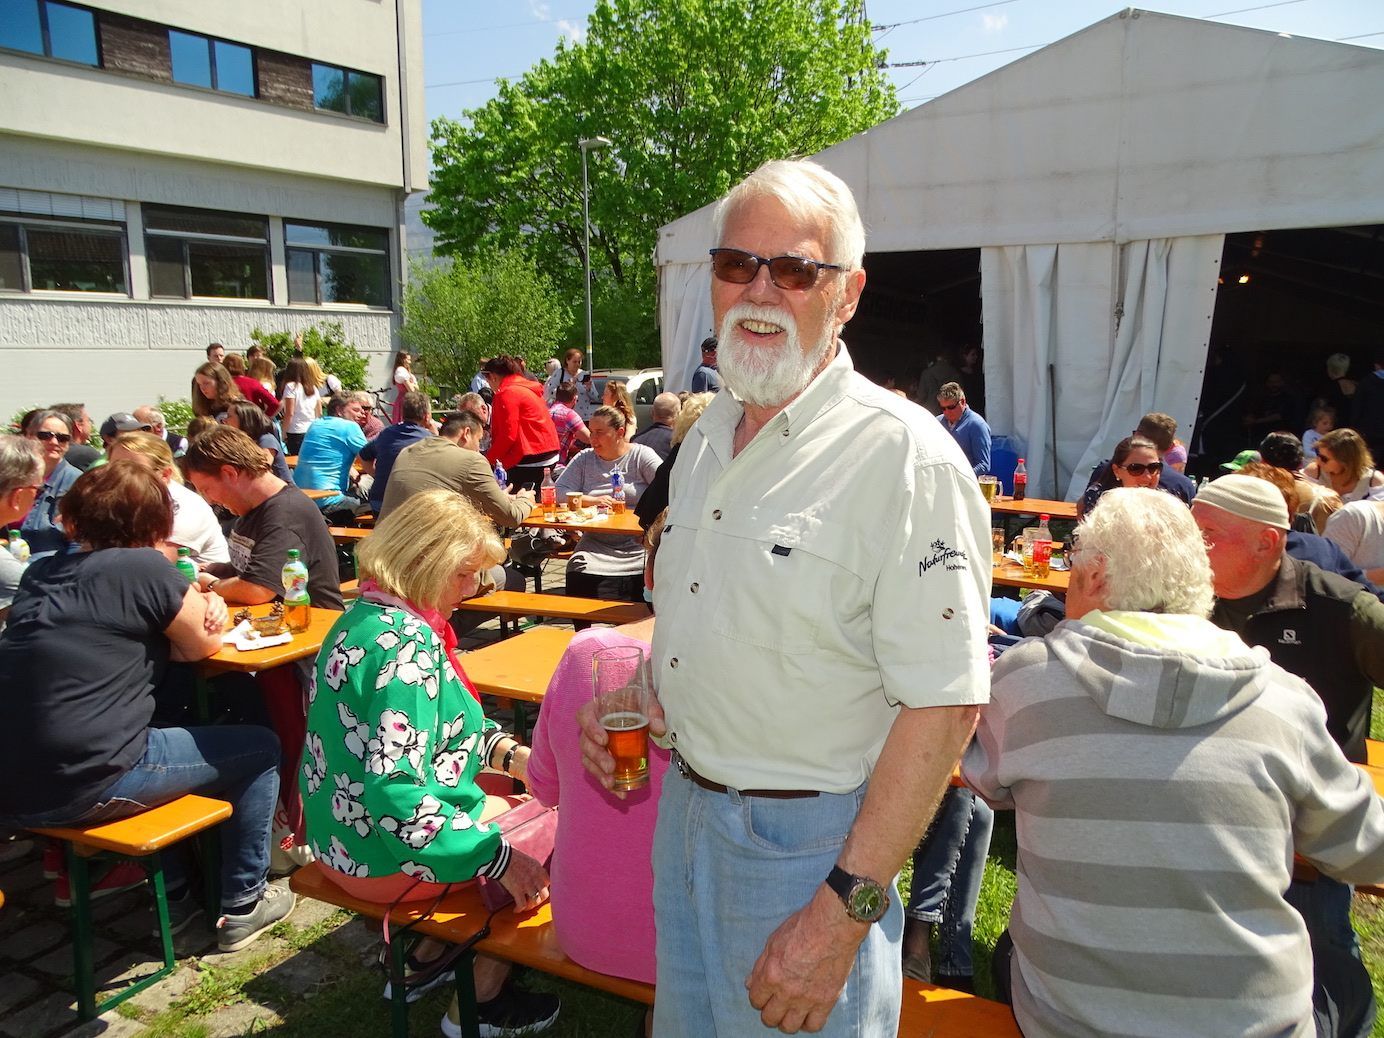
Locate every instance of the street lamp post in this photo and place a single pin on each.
(589, 144)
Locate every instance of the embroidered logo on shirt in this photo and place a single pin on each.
(1289, 637)
(942, 555)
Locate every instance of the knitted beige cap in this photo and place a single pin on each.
(1248, 497)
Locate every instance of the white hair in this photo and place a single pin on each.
(812, 195)
(1155, 558)
(20, 463)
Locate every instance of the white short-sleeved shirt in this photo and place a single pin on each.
(1358, 529)
(304, 407)
(838, 568)
(195, 526)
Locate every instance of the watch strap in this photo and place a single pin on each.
(840, 881)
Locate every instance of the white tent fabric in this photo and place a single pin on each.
(685, 315)
(1149, 130)
(1084, 339)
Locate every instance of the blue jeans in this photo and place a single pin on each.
(238, 763)
(947, 870)
(728, 871)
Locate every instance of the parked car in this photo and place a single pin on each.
(643, 384)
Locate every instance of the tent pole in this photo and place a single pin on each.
(1052, 412)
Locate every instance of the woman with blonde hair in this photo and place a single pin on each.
(213, 391)
(1344, 464)
(400, 822)
(194, 523)
(302, 401)
(261, 369)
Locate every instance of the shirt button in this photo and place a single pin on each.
(716, 514)
(695, 585)
(673, 663)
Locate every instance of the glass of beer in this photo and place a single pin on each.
(997, 545)
(990, 487)
(1030, 535)
(620, 681)
(574, 500)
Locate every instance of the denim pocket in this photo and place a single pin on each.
(111, 810)
(809, 825)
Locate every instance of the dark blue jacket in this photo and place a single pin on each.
(1327, 555)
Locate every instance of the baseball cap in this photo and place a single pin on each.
(122, 421)
(1248, 497)
(1240, 460)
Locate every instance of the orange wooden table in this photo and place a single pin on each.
(317, 495)
(626, 523)
(1011, 574)
(303, 645)
(1034, 506)
(518, 668)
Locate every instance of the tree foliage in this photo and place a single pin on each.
(457, 313)
(693, 94)
(325, 342)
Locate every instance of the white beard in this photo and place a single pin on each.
(767, 376)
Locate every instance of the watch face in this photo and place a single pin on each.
(868, 901)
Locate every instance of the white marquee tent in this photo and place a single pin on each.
(1098, 177)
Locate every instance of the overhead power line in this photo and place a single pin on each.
(1247, 10)
(491, 28)
(467, 82)
(944, 14)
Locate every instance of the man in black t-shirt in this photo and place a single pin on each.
(230, 469)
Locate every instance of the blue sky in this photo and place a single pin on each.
(468, 44)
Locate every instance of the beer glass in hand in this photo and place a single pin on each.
(620, 677)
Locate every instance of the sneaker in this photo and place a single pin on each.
(237, 931)
(53, 860)
(120, 877)
(412, 966)
(182, 912)
(513, 1011)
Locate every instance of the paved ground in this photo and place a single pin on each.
(316, 948)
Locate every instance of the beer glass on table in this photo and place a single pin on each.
(620, 679)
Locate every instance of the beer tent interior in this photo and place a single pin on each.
(1097, 179)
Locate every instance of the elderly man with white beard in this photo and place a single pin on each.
(821, 590)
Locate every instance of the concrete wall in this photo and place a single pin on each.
(116, 355)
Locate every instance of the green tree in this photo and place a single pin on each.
(456, 313)
(693, 94)
(325, 342)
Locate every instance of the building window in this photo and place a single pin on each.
(214, 64)
(53, 29)
(333, 263)
(42, 256)
(194, 252)
(351, 93)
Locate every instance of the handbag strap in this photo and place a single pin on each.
(444, 961)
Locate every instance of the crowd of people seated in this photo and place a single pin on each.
(1212, 668)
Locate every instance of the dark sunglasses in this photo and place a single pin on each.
(794, 273)
(1140, 467)
(45, 435)
(951, 407)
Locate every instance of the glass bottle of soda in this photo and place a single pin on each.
(297, 604)
(1020, 481)
(186, 566)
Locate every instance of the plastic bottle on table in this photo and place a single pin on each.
(617, 493)
(1042, 548)
(501, 477)
(186, 566)
(297, 604)
(18, 547)
(547, 494)
(1020, 481)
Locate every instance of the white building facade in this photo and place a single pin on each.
(175, 173)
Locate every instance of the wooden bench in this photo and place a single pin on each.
(1374, 753)
(531, 940)
(519, 604)
(140, 837)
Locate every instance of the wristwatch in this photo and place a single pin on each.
(865, 900)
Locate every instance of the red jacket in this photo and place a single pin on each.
(253, 391)
(519, 422)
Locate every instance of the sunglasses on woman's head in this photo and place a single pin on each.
(737, 267)
(45, 435)
(1140, 467)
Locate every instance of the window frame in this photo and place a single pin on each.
(211, 42)
(184, 237)
(104, 228)
(316, 250)
(347, 73)
(45, 34)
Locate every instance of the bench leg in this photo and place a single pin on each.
(466, 996)
(165, 929)
(398, 994)
(83, 971)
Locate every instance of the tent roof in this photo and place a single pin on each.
(1143, 125)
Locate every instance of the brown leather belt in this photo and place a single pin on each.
(773, 794)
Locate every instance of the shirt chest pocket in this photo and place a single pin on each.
(780, 585)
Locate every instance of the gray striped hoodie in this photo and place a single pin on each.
(1159, 796)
